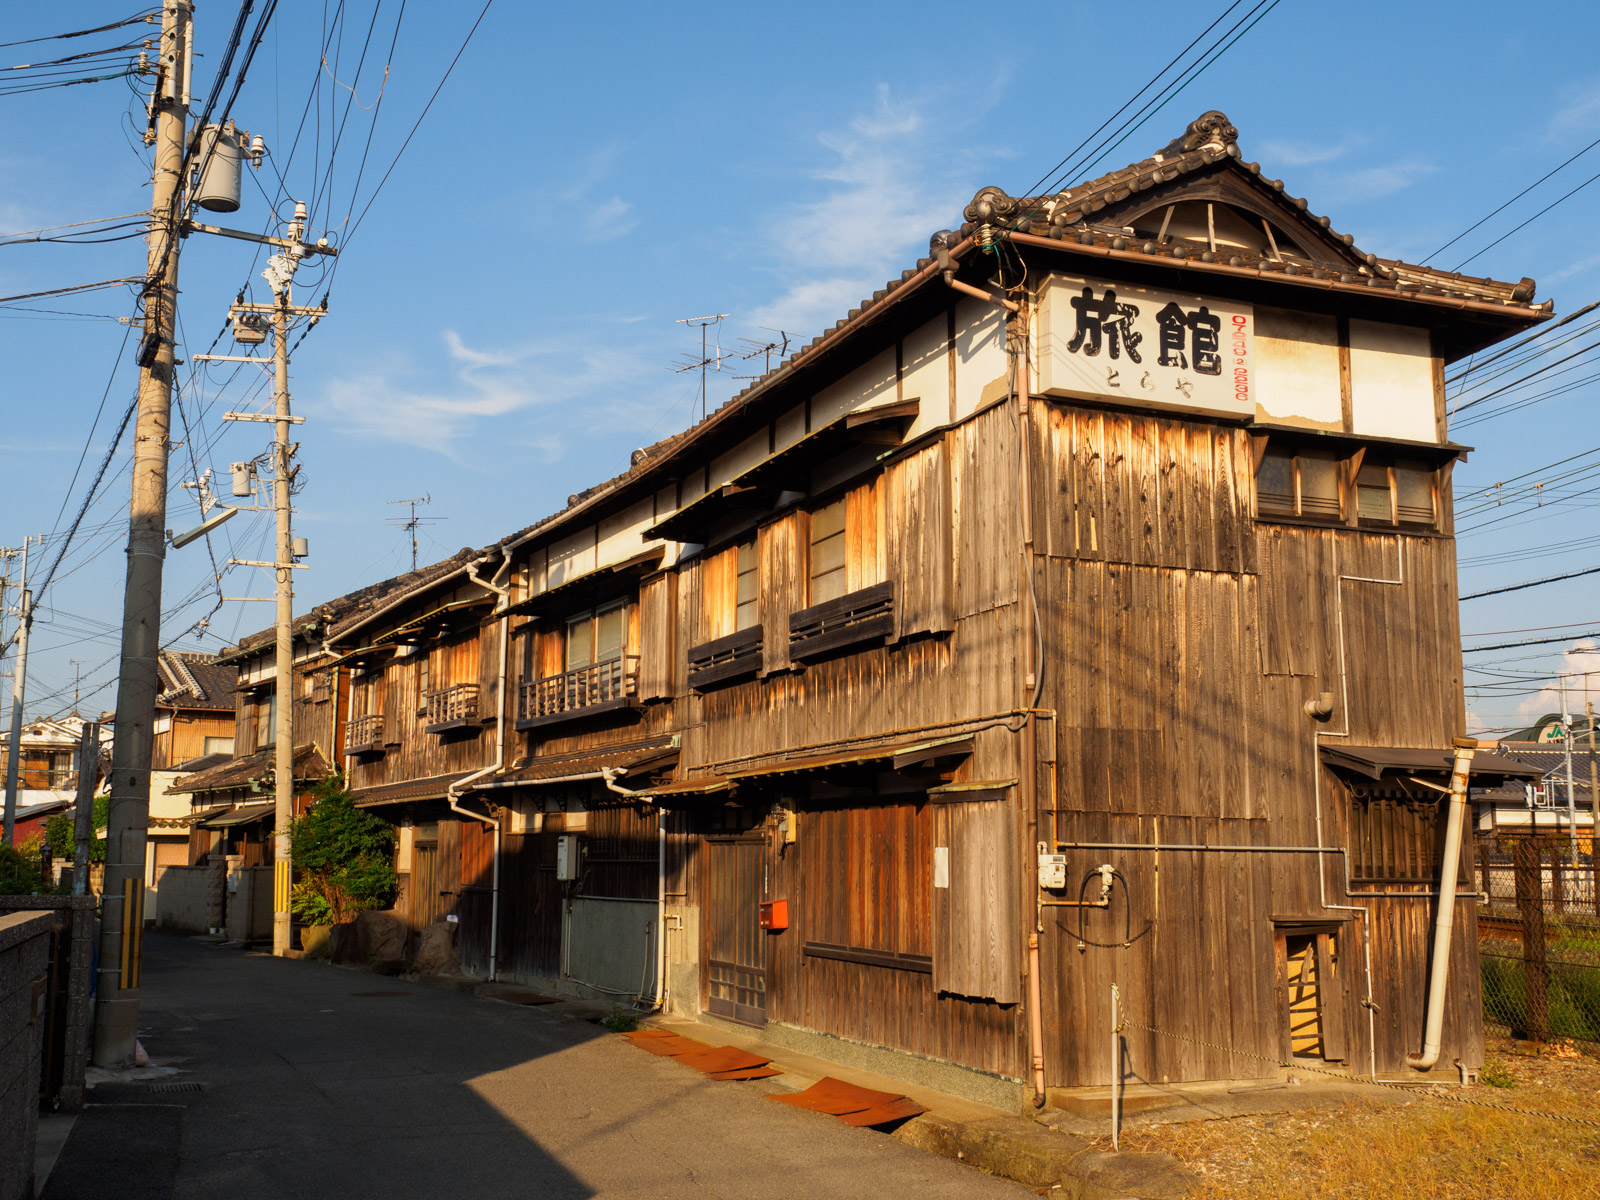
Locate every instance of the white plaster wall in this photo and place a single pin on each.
(620, 534)
(570, 557)
(1391, 381)
(790, 427)
(925, 374)
(871, 383)
(727, 467)
(980, 353)
(1297, 369)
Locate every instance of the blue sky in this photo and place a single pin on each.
(502, 330)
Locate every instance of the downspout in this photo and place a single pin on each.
(1434, 1027)
(452, 793)
(1033, 681)
(610, 775)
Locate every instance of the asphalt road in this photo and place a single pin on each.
(310, 1088)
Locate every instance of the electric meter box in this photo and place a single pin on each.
(569, 854)
(1053, 871)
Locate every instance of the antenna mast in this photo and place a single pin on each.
(702, 323)
(413, 522)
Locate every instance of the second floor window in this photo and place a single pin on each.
(266, 718)
(1299, 485)
(829, 578)
(746, 612)
(1395, 494)
(596, 635)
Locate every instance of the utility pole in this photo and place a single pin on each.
(283, 734)
(1594, 785)
(1566, 730)
(122, 915)
(19, 683)
(83, 808)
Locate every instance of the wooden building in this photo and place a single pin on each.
(1078, 611)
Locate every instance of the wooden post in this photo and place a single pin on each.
(1116, 1068)
(1535, 972)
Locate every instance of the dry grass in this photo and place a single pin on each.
(1427, 1149)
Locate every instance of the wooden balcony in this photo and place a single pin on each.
(364, 735)
(451, 708)
(864, 617)
(725, 658)
(585, 692)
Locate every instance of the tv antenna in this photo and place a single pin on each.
(412, 523)
(77, 679)
(766, 349)
(705, 360)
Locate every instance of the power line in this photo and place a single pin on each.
(133, 20)
(1571, 637)
(1517, 587)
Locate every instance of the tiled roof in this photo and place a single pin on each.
(309, 767)
(1067, 217)
(1551, 760)
(361, 600)
(433, 788)
(589, 762)
(196, 681)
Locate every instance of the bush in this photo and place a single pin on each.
(22, 870)
(61, 836)
(344, 857)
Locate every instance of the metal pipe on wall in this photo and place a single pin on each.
(1444, 920)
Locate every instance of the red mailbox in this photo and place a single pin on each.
(774, 914)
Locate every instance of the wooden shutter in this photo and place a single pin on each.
(781, 557)
(975, 950)
(658, 657)
(917, 537)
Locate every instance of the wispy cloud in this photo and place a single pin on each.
(581, 203)
(1369, 183)
(1305, 154)
(483, 384)
(888, 179)
(1579, 113)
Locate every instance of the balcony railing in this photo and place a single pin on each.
(580, 693)
(453, 707)
(364, 734)
(865, 617)
(722, 659)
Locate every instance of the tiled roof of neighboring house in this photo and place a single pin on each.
(309, 767)
(1551, 760)
(340, 608)
(433, 788)
(204, 762)
(1068, 218)
(191, 680)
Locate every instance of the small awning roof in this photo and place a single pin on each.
(1377, 761)
(639, 564)
(242, 815)
(630, 760)
(897, 758)
(756, 486)
(432, 788)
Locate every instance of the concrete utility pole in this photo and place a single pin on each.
(283, 735)
(83, 810)
(19, 684)
(1566, 741)
(122, 916)
(1594, 784)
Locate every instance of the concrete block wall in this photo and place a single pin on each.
(24, 959)
(183, 899)
(250, 905)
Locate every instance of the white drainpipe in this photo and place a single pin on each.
(610, 776)
(452, 793)
(1433, 1030)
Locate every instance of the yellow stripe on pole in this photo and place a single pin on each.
(280, 886)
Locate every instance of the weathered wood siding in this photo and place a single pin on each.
(1182, 640)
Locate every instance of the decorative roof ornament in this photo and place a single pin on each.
(1209, 131)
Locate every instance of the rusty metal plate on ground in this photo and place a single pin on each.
(723, 1058)
(636, 1034)
(671, 1047)
(895, 1110)
(747, 1073)
(836, 1097)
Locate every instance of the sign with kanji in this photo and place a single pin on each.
(1145, 347)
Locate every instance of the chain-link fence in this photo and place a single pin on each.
(1539, 939)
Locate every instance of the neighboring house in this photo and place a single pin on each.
(1540, 804)
(47, 780)
(1117, 531)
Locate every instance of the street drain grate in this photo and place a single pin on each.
(168, 1088)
